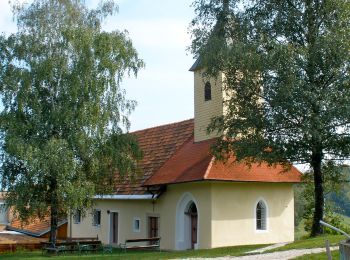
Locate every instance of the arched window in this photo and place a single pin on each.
(261, 216)
(207, 91)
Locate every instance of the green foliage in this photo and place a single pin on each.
(64, 110)
(289, 86)
(286, 67)
(334, 182)
(330, 217)
(342, 198)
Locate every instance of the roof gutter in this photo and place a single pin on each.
(126, 197)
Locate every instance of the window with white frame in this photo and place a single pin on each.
(96, 215)
(136, 225)
(3, 213)
(77, 216)
(261, 215)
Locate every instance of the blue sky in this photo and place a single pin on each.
(158, 29)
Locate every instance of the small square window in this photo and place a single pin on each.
(136, 225)
(77, 216)
(96, 217)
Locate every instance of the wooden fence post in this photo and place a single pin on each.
(328, 250)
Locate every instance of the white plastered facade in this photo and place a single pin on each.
(226, 210)
(226, 215)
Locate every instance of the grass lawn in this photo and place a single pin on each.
(224, 251)
(321, 256)
(117, 254)
(312, 242)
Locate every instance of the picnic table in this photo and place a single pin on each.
(80, 246)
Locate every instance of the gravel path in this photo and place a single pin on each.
(282, 255)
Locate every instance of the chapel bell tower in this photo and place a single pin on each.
(208, 101)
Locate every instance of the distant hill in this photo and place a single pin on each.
(341, 200)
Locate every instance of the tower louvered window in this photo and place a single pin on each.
(261, 216)
(207, 91)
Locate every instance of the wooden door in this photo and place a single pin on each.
(153, 227)
(194, 222)
(114, 227)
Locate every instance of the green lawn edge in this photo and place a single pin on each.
(314, 242)
(118, 254)
(204, 253)
(319, 256)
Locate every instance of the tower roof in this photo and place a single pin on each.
(196, 65)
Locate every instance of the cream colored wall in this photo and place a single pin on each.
(127, 209)
(205, 110)
(225, 214)
(168, 203)
(164, 207)
(233, 213)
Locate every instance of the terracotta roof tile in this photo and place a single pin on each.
(158, 145)
(171, 156)
(193, 162)
(34, 226)
(188, 164)
(232, 171)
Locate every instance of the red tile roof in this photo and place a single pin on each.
(158, 145)
(193, 162)
(34, 227)
(190, 163)
(171, 156)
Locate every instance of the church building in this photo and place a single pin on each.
(188, 198)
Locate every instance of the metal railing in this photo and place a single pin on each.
(334, 228)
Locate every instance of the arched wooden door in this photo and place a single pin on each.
(192, 212)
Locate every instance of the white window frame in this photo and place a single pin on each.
(93, 217)
(136, 219)
(3, 207)
(4, 210)
(266, 216)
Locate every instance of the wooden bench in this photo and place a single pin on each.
(54, 250)
(71, 239)
(60, 247)
(94, 246)
(153, 243)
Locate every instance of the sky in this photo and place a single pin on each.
(159, 31)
